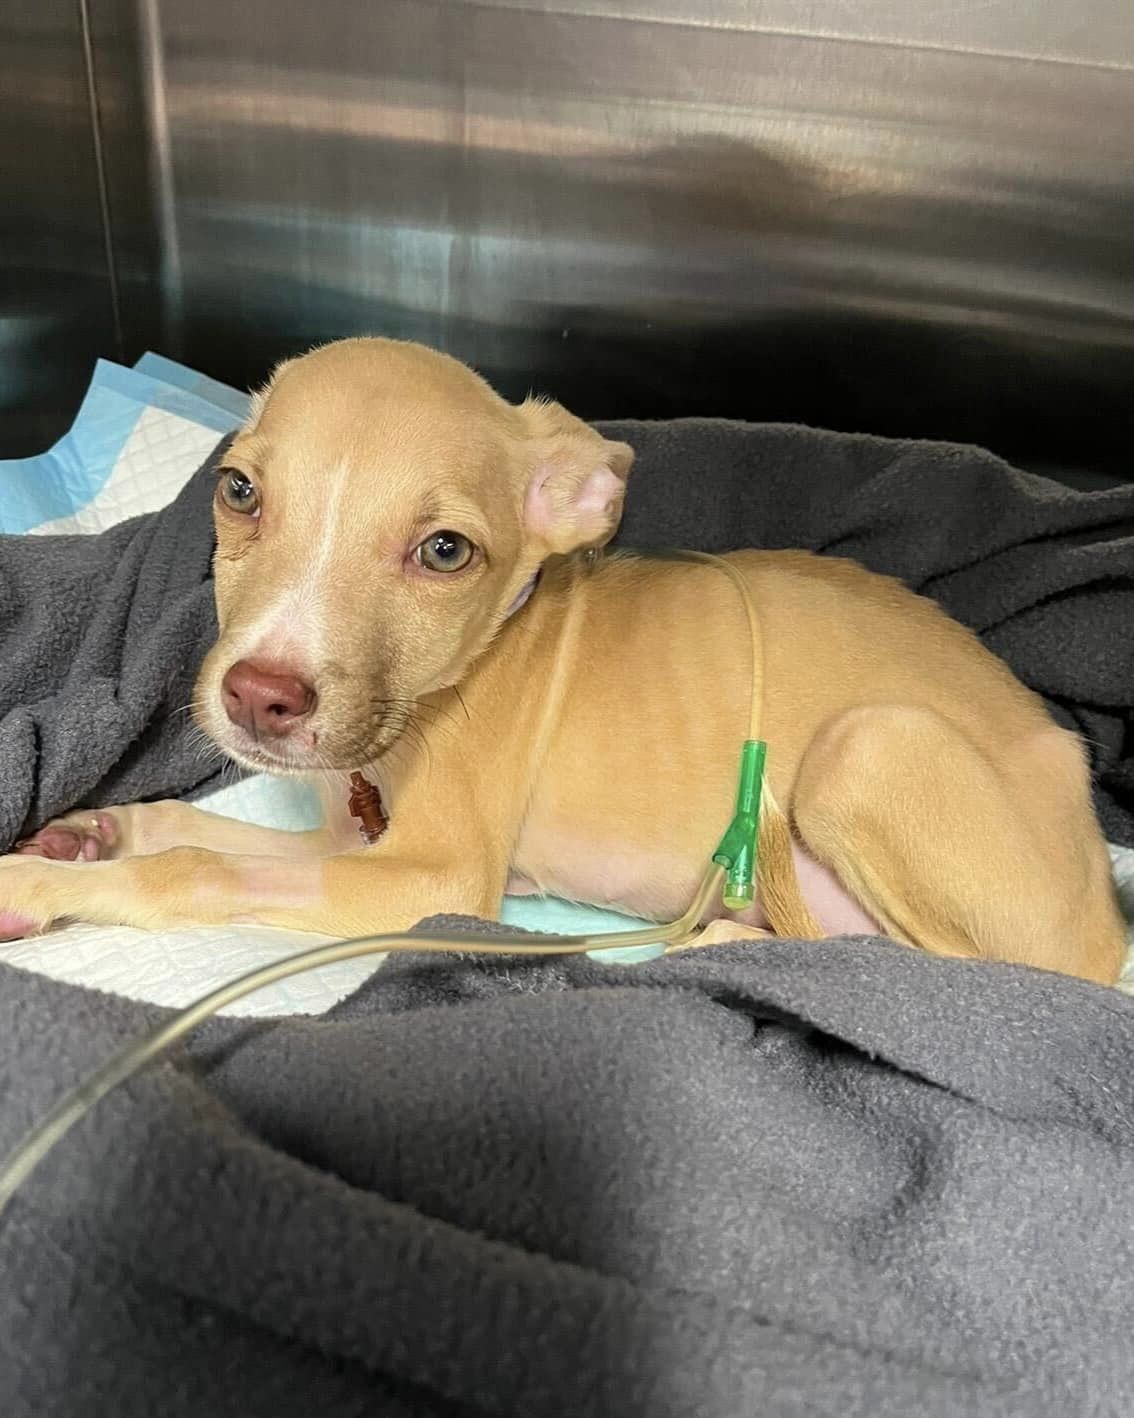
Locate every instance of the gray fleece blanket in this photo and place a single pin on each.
(100, 637)
(836, 1178)
(789, 1179)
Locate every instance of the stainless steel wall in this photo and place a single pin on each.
(56, 303)
(882, 214)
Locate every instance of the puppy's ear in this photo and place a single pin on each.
(577, 482)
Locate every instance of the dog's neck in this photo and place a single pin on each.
(365, 797)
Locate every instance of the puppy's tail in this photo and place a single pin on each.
(780, 895)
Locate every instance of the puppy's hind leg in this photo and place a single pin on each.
(954, 855)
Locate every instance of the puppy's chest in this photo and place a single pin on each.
(618, 835)
(628, 812)
(613, 837)
(603, 868)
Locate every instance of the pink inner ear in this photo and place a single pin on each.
(597, 493)
(558, 503)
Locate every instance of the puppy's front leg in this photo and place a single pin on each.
(142, 829)
(358, 894)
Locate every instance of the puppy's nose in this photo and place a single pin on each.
(266, 701)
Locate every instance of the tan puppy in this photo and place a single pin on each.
(380, 517)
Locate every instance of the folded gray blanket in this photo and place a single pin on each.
(100, 637)
(100, 641)
(836, 1178)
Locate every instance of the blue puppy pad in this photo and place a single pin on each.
(57, 484)
(168, 371)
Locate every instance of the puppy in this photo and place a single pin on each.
(381, 523)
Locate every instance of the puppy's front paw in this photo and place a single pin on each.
(79, 837)
(37, 884)
(22, 912)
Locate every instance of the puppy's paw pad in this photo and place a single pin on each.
(87, 838)
(57, 844)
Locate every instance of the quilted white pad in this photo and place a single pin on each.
(177, 967)
(160, 452)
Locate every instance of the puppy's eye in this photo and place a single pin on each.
(445, 551)
(238, 492)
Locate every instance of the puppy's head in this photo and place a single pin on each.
(376, 520)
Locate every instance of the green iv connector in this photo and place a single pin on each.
(737, 851)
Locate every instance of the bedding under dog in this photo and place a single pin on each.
(836, 1177)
